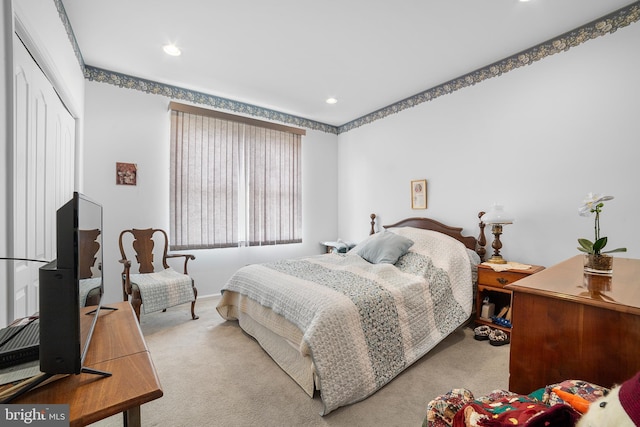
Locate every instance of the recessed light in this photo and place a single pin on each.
(331, 101)
(171, 49)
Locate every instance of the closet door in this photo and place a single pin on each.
(43, 175)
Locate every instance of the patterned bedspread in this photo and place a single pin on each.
(365, 323)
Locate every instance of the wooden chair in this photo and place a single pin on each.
(135, 286)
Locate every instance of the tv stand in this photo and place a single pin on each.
(118, 347)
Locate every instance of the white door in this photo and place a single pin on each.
(43, 166)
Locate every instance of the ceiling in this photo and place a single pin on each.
(291, 55)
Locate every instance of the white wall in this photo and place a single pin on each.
(124, 125)
(536, 139)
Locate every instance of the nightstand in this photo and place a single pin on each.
(491, 284)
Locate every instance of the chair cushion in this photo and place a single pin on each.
(163, 289)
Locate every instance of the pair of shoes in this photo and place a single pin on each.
(481, 333)
(503, 318)
(501, 321)
(498, 337)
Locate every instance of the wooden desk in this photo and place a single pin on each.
(568, 325)
(117, 346)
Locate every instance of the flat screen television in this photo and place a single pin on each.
(71, 288)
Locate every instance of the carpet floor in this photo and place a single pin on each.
(213, 374)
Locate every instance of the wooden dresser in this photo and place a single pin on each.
(569, 325)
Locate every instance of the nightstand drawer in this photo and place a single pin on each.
(499, 279)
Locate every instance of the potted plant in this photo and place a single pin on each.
(596, 258)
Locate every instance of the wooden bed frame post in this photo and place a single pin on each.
(482, 240)
(373, 223)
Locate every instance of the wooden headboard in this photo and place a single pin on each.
(477, 245)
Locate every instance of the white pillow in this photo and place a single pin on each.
(383, 248)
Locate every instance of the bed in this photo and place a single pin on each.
(347, 324)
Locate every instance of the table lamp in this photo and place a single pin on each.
(497, 217)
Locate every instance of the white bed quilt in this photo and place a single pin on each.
(365, 323)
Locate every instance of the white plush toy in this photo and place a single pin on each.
(620, 408)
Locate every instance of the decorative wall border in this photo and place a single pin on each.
(181, 94)
(62, 13)
(607, 24)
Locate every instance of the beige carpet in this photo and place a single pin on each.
(213, 374)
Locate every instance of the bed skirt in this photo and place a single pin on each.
(281, 339)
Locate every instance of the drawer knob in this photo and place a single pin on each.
(502, 280)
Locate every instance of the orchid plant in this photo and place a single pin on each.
(594, 203)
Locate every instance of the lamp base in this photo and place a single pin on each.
(497, 259)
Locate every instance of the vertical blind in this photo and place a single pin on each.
(235, 181)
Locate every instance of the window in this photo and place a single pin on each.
(235, 181)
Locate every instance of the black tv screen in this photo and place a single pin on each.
(71, 287)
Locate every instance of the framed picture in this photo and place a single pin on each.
(419, 194)
(126, 173)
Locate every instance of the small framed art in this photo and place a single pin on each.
(126, 173)
(419, 194)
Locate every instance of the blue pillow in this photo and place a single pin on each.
(383, 248)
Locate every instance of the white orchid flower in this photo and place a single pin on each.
(590, 202)
(594, 203)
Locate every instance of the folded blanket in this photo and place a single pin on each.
(514, 411)
(163, 289)
(541, 408)
(86, 286)
(442, 409)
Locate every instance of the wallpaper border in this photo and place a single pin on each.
(62, 13)
(181, 94)
(607, 24)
